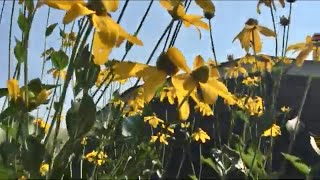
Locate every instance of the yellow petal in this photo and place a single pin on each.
(166, 4)
(213, 87)
(75, 11)
(105, 39)
(198, 61)
(183, 83)
(130, 38)
(297, 46)
(13, 88)
(266, 31)
(61, 4)
(111, 5)
(178, 59)
(153, 79)
(42, 96)
(125, 70)
(194, 20)
(303, 56)
(257, 42)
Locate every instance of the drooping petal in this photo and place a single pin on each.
(60, 4)
(257, 42)
(198, 61)
(111, 5)
(130, 38)
(296, 47)
(76, 11)
(153, 79)
(105, 38)
(266, 31)
(195, 20)
(125, 70)
(166, 4)
(207, 6)
(184, 110)
(13, 88)
(303, 55)
(178, 59)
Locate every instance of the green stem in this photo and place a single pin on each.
(287, 37)
(212, 43)
(275, 31)
(3, 4)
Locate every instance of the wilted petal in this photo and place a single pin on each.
(178, 59)
(75, 11)
(206, 5)
(298, 46)
(194, 20)
(266, 31)
(111, 5)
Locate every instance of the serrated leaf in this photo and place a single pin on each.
(50, 29)
(23, 22)
(297, 163)
(20, 52)
(59, 59)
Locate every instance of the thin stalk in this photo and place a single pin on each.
(200, 164)
(122, 11)
(283, 42)
(181, 163)
(45, 44)
(10, 38)
(212, 44)
(287, 37)
(254, 156)
(3, 4)
(275, 31)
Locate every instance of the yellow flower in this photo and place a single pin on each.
(207, 6)
(269, 3)
(168, 128)
(84, 141)
(305, 49)
(44, 168)
(154, 77)
(105, 73)
(108, 33)
(286, 60)
(249, 36)
(254, 106)
(161, 137)
(98, 158)
(41, 124)
(200, 135)
(187, 83)
(169, 93)
(234, 72)
(247, 59)
(62, 74)
(43, 96)
(285, 109)
(252, 81)
(273, 131)
(177, 11)
(204, 108)
(185, 125)
(153, 120)
(13, 89)
(263, 63)
(22, 177)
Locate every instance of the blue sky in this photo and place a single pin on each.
(229, 19)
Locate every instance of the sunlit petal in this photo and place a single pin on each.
(75, 11)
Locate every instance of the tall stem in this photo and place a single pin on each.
(287, 38)
(275, 31)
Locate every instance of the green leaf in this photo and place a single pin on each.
(50, 29)
(86, 71)
(23, 22)
(59, 59)
(241, 115)
(297, 163)
(81, 117)
(9, 111)
(62, 34)
(30, 5)
(3, 92)
(6, 173)
(212, 164)
(193, 177)
(20, 52)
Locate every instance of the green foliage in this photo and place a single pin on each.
(59, 59)
(50, 29)
(297, 163)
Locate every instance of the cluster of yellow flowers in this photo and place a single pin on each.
(96, 157)
(249, 81)
(41, 124)
(254, 106)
